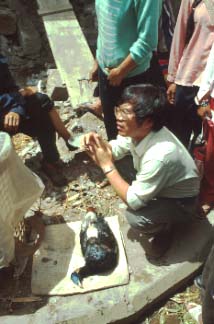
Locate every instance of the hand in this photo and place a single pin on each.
(11, 122)
(98, 149)
(88, 140)
(115, 76)
(171, 93)
(93, 75)
(204, 111)
(27, 91)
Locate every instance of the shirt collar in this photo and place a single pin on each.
(141, 147)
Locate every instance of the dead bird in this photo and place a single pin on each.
(99, 247)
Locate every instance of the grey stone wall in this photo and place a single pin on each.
(23, 38)
(85, 12)
(22, 35)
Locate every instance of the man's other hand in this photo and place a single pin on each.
(115, 76)
(93, 75)
(98, 149)
(171, 93)
(204, 112)
(11, 122)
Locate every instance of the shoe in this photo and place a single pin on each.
(54, 172)
(73, 143)
(157, 245)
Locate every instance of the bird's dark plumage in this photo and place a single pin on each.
(99, 247)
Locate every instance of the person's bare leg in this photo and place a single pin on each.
(58, 125)
(97, 107)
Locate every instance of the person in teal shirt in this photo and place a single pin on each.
(127, 38)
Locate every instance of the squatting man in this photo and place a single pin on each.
(164, 192)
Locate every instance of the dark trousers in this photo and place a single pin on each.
(183, 116)
(38, 125)
(162, 213)
(110, 95)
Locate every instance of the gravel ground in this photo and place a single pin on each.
(68, 204)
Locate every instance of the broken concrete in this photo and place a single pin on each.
(70, 50)
(7, 21)
(149, 281)
(55, 87)
(29, 37)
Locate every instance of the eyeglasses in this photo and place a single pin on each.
(124, 110)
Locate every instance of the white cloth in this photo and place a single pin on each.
(164, 168)
(19, 189)
(207, 83)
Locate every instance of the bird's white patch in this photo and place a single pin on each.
(92, 232)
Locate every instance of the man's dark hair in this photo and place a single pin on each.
(148, 101)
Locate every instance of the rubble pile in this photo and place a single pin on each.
(23, 38)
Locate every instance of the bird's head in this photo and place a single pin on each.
(77, 278)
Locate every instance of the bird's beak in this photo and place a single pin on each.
(76, 279)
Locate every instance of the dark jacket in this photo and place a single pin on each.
(10, 99)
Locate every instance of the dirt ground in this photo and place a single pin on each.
(67, 204)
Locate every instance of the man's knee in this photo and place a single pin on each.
(140, 223)
(38, 105)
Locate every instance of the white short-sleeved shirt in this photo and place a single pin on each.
(164, 167)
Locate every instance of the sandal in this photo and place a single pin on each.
(93, 107)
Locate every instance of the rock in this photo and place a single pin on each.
(29, 37)
(4, 46)
(87, 123)
(55, 87)
(7, 21)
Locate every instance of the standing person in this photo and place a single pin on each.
(191, 45)
(165, 190)
(127, 37)
(206, 152)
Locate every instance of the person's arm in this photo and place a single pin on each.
(178, 42)
(147, 16)
(93, 75)
(116, 75)
(101, 153)
(11, 110)
(177, 47)
(206, 89)
(118, 183)
(207, 84)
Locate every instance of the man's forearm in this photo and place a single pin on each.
(127, 65)
(118, 183)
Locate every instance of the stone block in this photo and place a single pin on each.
(56, 89)
(7, 22)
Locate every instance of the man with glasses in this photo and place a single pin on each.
(165, 190)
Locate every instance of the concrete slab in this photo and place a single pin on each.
(149, 281)
(69, 47)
